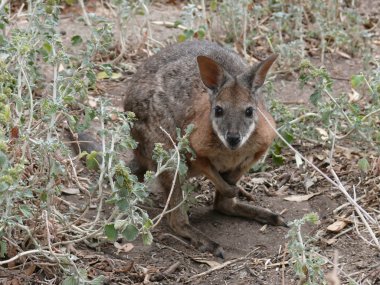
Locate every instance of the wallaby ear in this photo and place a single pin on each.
(212, 74)
(262, 69)
(255, 77)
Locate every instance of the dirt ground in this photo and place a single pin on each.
(255, 254)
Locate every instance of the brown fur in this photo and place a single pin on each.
(185, 84)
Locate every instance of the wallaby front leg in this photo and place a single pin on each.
(233, 177)
(206, 168)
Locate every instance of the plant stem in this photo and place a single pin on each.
(174, 179)
(2, 4)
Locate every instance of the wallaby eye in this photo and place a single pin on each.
(249, 112)
(218, 111)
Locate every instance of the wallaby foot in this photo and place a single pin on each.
(179, 220)
(200, 241)
(234, 207)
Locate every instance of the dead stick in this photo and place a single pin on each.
(171, 269)
(216, 268)
(283, 264)
(246, 194)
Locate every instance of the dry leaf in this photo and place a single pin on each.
(299, 160)
(210, 263)
(301, 198)
(114, 117)
(127, 247)
(71, 191)
(14, 281)
(323, 133)
(308, 182)
(320, 157)
(92, 102)
(354, 96)
(30, 270)
(330, 241)
(343, 54)
(14, 133)
(258, 180)
(337, 226)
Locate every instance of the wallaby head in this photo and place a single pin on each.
(233, 99)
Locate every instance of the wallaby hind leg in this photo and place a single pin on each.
(137, 167)
(235, 207)
(179, 221)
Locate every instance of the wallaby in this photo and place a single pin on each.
(202, 83)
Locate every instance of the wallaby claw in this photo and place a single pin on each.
(277, 220)
(281, 222)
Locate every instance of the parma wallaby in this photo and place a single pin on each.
(202, 83)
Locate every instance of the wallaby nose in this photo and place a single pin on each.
(233, 139)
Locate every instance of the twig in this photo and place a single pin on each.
(371, 233)
(340, 271)
(21, 254)
(85, 15)
(45, 214)
(283, 265)
(174, 237)
(147, 13)
(31, 110)
(332, 277)
(88, 234)
(245, 29)
(300, 118)
(174, 179)
(343, 232)
(204, 15)
(347, 118)
(341, 207)
(370, 114)
(227, 263)
(172, 209)
(172, 268)
(246, 194)
(2, 4)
